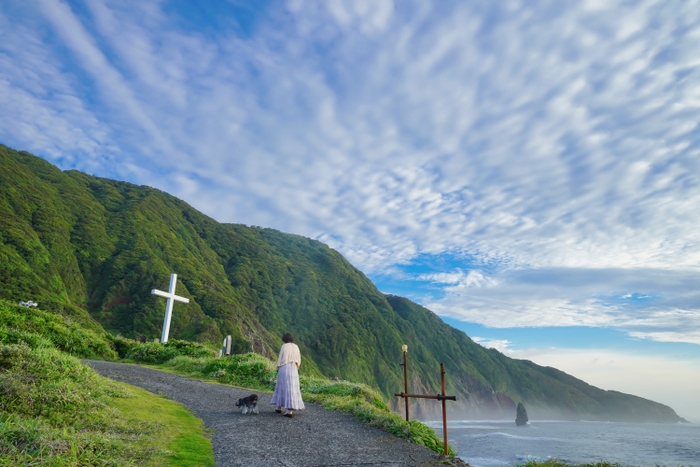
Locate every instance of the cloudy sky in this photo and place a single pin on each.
(528, 170)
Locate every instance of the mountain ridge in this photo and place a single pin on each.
(81, 242)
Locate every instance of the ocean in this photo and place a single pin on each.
(501, 443)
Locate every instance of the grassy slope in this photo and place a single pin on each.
(55, 411)
(181, 439)
(69, 240)
(41, 329)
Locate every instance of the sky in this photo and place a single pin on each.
(528, 170)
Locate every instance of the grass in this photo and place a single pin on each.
(181, 433)
(55, 411)
(42, 329)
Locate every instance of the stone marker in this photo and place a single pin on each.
(170, 295)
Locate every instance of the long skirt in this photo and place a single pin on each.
(287, 393)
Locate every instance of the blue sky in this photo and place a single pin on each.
(530, 171)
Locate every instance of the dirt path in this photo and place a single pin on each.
(314, 437)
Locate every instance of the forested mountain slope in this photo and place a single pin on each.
(75, 242)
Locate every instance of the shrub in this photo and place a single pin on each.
(190, 349)
(33, 340)
(35, 327)
(156, 353)
(122, 345)
(152, 352)
(248, 370)
(324, 387)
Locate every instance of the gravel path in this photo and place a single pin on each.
(314, 437)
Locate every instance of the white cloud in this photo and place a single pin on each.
(41, 110)
(112, 85)
(458, 280)
(502, 345)
(443, 277)
(367, 15)
(539, 138)
(624, 299)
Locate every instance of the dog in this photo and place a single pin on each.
(248, 405)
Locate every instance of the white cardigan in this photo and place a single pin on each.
(289, 353)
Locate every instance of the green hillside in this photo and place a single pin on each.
(78, 243)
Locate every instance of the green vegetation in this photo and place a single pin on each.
(155, 352)
(55, 411)
(74, 242)
(180, 433)
(41, 329)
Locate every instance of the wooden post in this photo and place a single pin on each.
(405, 378)
(444, 408)
(442, 397)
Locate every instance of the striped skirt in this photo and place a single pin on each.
(287, 393)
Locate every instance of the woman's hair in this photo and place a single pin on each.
(287, 338)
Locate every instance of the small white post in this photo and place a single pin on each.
(225, 347)
(170, 295)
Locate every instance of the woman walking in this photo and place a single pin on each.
(287, 393)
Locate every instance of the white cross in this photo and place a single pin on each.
(170, 295)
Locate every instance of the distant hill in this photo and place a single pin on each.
(76, 242)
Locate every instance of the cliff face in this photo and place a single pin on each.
(74, 241)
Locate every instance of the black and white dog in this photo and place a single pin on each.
(248, 405)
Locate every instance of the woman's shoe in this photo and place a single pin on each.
(278, 410)
(289, 414)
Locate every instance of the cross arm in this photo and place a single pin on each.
(160, 293)
(439, 397)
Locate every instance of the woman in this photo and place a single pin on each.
(287, 393)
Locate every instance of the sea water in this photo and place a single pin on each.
(501, 443)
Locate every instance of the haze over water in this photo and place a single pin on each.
(490, 443)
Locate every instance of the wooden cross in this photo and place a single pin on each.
(441, 397)
(170, 295)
